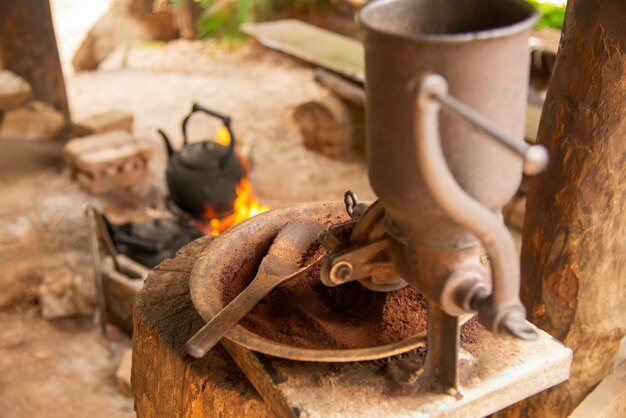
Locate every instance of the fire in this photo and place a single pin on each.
(245, 206)
(222, 136)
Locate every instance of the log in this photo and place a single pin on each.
(331, 126)
(166, 382)
(28, 48)
(352, 92)
(574, 239)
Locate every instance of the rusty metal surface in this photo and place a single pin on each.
(501, 311)
(438, 180)
(480, 47)
(282, 262)
(251, 240)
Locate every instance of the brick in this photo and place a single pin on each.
(104, 122)
(105, 162)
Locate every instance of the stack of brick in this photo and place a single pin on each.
(24, 119)
(106, 157)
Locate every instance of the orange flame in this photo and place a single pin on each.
(245, 206)
(222, 136)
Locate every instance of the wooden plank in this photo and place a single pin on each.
(608, 400)
(312, 44)
(502, 372)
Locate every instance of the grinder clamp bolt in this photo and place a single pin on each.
(341, 272)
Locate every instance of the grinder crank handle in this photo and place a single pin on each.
(282, 263)
(502, 311)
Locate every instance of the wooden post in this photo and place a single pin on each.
(574, 241)
(28, 48)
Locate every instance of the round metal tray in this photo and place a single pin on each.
(250, 239)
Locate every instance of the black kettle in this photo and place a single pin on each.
(202, 177)
(151, 241)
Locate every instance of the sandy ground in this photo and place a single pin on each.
(64, 368)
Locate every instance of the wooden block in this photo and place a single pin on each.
(14, 91)
(168, 382)
(108, 161)
(104, 122)
(320, 47)
(330, 126)
(120, 289)
(34, 121)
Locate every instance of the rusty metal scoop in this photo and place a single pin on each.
(282, 263)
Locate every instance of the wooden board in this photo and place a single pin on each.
(167, 382)
(608, 400)
(312, 44)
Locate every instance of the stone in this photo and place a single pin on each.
(120, 26)
(122, 375)
(14, 91)
(34, 121)
(62, 295)
(104, 122)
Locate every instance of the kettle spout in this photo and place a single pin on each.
(168, 144)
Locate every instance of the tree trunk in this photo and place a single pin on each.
(167, 382)
(574, 242)
(28, 48)
(188, 12)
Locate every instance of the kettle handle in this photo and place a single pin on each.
(225, 120)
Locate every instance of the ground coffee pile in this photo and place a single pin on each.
(305, 313)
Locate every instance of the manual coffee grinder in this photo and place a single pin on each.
(446, 93)
(446, 85)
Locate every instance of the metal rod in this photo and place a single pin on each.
(482, 123)
(535, 156)
(442, 347)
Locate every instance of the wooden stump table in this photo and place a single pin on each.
(166, 381)
(169, 383)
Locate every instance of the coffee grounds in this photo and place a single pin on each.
(305, 313)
